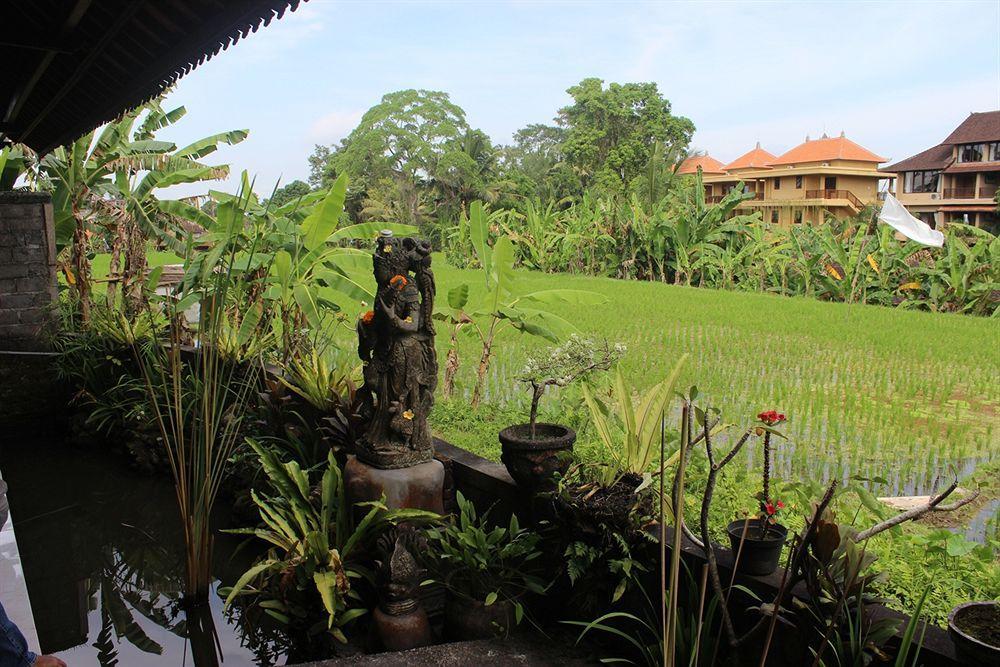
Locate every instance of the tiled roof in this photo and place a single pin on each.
(757, 158)
(937, 157)
(984, 126)
(708, 164)
(826, 149)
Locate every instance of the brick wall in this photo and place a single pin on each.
(27, 269)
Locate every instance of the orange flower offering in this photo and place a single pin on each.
(368, 317)
(399, 282)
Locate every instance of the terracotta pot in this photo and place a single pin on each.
(532, 462)
(465, 618)
(971, 649)
(760, 555)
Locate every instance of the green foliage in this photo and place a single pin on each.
(486, 562)
(503, 305)
(317, 549)
(611, 132)
(630, 432)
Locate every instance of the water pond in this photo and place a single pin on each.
(102, 556)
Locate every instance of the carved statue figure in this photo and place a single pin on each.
(400, 620)
(396, 345)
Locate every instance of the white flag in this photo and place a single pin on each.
(896, 216)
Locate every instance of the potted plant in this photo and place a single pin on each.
(975, 629)
(759, 541)
(534, 452)
(486, 572)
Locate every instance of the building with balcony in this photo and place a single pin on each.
(957, 180)
(819, 177)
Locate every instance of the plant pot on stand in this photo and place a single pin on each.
(466, 618)
(534, 461)
(761, 551)
(975, 629)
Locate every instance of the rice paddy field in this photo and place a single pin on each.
(868, 390)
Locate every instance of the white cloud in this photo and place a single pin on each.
(334, 126)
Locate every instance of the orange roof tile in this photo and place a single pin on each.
(757, 158)
(826, 149)
(708, 164)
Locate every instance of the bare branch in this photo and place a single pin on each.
(932, 505)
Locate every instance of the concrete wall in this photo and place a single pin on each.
(27, 269)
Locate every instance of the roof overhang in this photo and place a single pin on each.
(72, 65)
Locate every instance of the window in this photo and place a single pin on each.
(928, 218)
(972, 153)
(921, 181)
(995, 151)
(798, 216)
(798, 182)
(774, 216)
(777, 184)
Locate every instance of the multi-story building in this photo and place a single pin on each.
(829, 175)
(957, 180)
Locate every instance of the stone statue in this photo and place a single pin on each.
(396, 345)
(400, 620)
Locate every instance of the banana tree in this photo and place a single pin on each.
(502, 306)
(698, 225)
(95, 183)
(293, 255)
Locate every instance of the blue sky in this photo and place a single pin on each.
(895, 76)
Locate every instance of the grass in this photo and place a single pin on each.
(867, 390)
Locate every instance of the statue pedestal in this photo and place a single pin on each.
(417, 487)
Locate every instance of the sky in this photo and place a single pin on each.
(896, 77)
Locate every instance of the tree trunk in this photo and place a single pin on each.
(484, 365)
(451, 367)
(114, 266)
(536, 395)
(81, 269)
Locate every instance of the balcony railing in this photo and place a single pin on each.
(835, 194)
(959, 193)
(988, 192)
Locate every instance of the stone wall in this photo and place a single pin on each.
(27, 269)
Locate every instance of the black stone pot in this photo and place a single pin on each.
(759, 556)
(468, 619)
(533, 461)
(974, 650)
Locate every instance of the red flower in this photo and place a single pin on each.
(769, 508)
(368, 317)
(399, 282)
(771, 417)
(781, 505)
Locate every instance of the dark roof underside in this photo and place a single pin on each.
(978, 127)
(70, 65)
(937, 157)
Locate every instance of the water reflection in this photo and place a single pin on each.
(101, 548)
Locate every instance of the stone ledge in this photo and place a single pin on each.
(24, 197)
(521, 650)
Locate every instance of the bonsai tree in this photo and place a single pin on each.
(564, 364)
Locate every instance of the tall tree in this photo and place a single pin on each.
(611, 131)
(402, 139)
